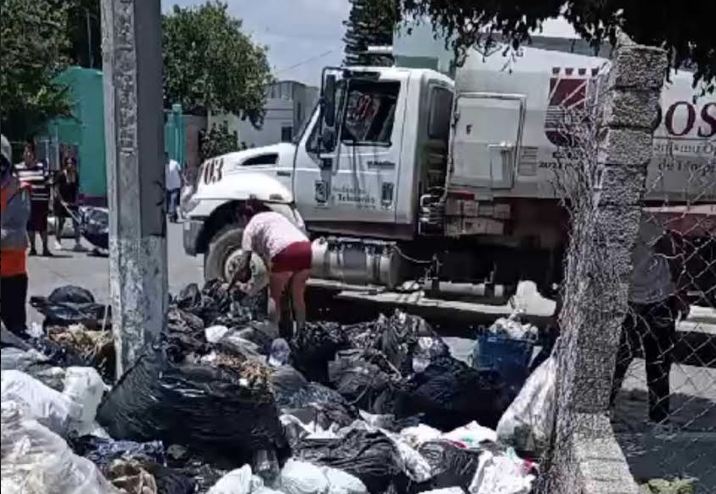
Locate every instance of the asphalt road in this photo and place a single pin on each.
(689, 453)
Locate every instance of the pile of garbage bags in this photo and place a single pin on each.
(221, 404)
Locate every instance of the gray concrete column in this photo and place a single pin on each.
(134, 120)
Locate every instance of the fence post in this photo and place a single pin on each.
(586, 458)
(135, 172)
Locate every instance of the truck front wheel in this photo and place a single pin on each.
(224, 251)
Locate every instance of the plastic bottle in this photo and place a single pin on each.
(280, 353)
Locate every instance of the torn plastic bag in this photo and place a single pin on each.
(340, 482)
(239, 481)
(43, 404)
(131, 477)
(451, 466)
(363, 377)
(501, 474)
(408, 341)
(37, 461)
(527, 424)
(314, 347)
(205, 408)
(103, 452)
(298, 477)
(71, 305)
(450, 394)
(84, 386)
(368, 455)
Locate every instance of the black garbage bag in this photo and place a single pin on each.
(363, 377)
(405, 337)
(71, 305)
(314, 346)
(452, 466)
(203, 408)
(451, 394)
(102, 452)
(370, 456)
(286, 381)
(185, 334)
(59, 355)
(171, 481)
(366, 335)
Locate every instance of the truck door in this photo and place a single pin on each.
(352, 177)
(486, 139)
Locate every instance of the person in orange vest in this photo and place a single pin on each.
(13, 255)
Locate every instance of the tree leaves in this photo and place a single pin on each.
(34, 41)
(211, 66)
(685, 29)
(219, 140)
(370, 23)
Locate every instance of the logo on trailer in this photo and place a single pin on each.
(568, 92)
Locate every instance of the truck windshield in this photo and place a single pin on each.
(370, 112)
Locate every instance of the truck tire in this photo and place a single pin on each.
(224, 247)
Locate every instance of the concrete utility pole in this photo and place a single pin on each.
(133, 110)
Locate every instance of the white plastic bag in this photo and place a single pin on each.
(471, 435)
(414, 465)
(20, 360)
(43, 404)
(340, 482)
(298, 477)
(416, 436)
(501, 475)
(84, 386)
(37, 461)
(239, 481)
(527, 423)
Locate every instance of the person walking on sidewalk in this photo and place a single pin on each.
(66, 201)
(286, 252)
(656, 301)
(15, 205)
(173, 179)
(34, 173)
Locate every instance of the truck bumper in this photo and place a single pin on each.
(192, 230)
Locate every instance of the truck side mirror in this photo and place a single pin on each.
(328, 140)
(329, 100)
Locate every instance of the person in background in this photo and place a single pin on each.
(66, 201)
(286, 252)
(34, 174)
(657, 297)
(13, 256)
(173, 184)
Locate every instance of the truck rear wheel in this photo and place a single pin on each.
(224, 251)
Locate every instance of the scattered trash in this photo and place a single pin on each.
(471, 435)
(84, 387)
(103, 452)
(50, 408)
(527, 424)
(501, 474)
(314, 347)
(206, 408)
(451, 465)
(408, 340)
(662, 486)
(37, 461)
(130, 477)
(239, 481)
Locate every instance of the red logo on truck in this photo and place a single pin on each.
(568, 92)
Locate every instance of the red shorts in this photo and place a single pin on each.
(296, 257)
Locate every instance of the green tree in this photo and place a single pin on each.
(219, 140)
(370, 23)
(210, 65)
(685, 29)
(34, 43)
(85, 33)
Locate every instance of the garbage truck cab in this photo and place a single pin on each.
(404, 175)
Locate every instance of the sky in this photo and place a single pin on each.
(303, 36)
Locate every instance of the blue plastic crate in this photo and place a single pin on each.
(511, 358)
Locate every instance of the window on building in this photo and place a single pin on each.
(440, 111)
(370, 112)
(287, 133)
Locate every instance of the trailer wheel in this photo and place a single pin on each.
(224, 250)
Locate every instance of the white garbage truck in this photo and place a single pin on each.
(406, 177)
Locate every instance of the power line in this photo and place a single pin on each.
(308, 60)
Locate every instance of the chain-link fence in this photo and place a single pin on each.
(637, 356)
